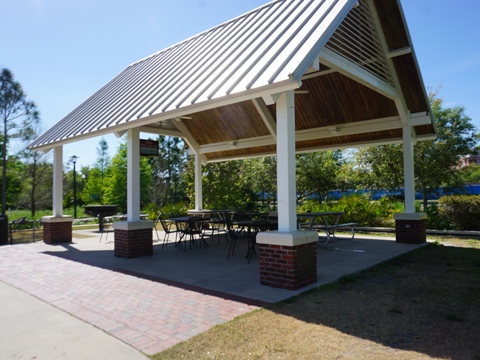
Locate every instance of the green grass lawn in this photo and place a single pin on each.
(422, 305)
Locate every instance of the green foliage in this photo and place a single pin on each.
(436, 219)
(317, 173)
(463, 211)
(116, 187)
(17, 116)
(359, 209)
(225, 186)
(262, 176)
(14, 182)
(174, 209)
(381, 167)
(167, 171)
(470, 173)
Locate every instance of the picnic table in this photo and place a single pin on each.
(327, 224)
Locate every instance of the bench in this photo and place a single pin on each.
(330, 230)
(14, 225)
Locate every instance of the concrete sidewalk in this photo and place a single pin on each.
(33, 329)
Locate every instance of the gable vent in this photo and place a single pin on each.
(357, 40)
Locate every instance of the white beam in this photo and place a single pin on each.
(270, 99)
(360, 127)
(198, 183)
(161, 131)
(133, 175)
(399, 52)
(286, 182)
(422, 118)
(58, 181)
(355, 72)
(408, 164)
(188, 138)
(266, 116)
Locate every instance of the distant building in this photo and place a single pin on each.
(469, 160)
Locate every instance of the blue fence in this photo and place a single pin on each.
(468, 189)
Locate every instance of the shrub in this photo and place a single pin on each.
(435, 219)
(462, 211)
(172, 210)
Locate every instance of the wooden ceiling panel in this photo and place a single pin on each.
(392, 23)
(411, 84)
(226, 123)
(334, 99)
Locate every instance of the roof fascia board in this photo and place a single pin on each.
(325, 33)
(211, 104)
(354, 72)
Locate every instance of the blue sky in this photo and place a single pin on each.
(63, 51)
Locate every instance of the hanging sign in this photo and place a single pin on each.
(148, 148)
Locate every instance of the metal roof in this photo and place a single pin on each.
(274, 48)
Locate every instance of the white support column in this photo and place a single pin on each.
(409, 174)
(286, 167)
(198, 183)
(133, 175)
(58, 181)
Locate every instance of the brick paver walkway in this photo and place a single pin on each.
(146, 314)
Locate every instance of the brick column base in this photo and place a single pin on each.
(411, 228)
(288, 260)
(288, 267)
(57, 230)
(133, 239)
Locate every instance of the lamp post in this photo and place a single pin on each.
(74, 161)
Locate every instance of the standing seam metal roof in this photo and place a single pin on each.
(272, 44)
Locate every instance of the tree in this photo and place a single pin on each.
(17, 116)
(95, 179)
(470, 174)
(380, 167)
(167, 171)
(38, 183)
(262, 177)
(116, 183)
(436, 161)
(317, 173)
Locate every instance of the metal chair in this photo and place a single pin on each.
(167, 228)
(107, 224)
(233, 233)
(257, 226)
(193, 228)
(218, 225)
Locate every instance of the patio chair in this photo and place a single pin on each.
(167, 228)
(233, 233)
(258, 226)
(217, 224)
(194, 230)
(107, 224)
(241, 216)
